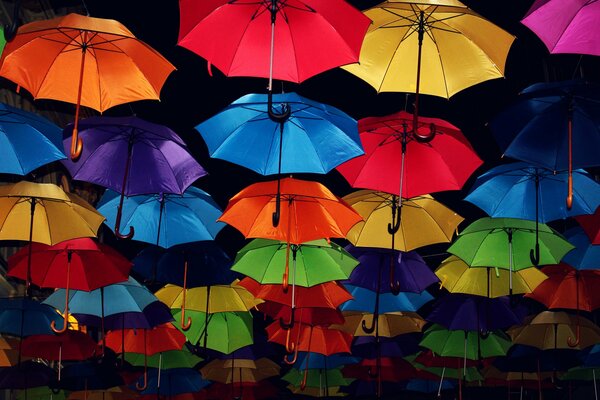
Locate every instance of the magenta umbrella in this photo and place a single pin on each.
(566, 26)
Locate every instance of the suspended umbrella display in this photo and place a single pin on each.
(110, 64)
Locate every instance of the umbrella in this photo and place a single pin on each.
(591, 225)
(173, 382)
(456, 276)
(467, 344)
(133, 157)
(239, 370)
(506, 243)
(525, 191)
(565, 28)
(304, 315)
(27, 374)
(234, 36)
(95, 374)
(389, 324)
(44, 213)
(21, 132)
(444, 163)
(415, 47)
(320, 361)
(165, 360)
(41, 393)
(80, 264)
(120, 68)
(316, 378)
(554, 125)
(398, 346)
(411, 271)
(21, 316)
(585, 255)
(315, 138)
(364, 299)
(474, 313)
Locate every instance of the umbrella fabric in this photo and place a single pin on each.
(184, 218)
(456, 276)
(535, 127)
(388, 324)
(84, 263)
(316, 262)
(591, 225)
(28, 374)
(389, 54)
(424, 221)
(309, 211)
(320, 361)
(159, 339)
(522, 358)
(21, 316)
(123, 305)
(315, 339)
(394, 160)
(567, 287)
(57, 216)
(390, 370)
(237, 371)
(317, 377)
(71, 345)
(430, 359)
(115, 393)
(246, 390)
(364, 300)
(474, 313)
(410, 270)
(304, 315)
(316, 137)
(427, 385)
(225, 332)
(590, 356)
(510, 191)
(165, 360)
(27, 141)
(57, 46)
(152, 157)
(399, 346)
(40, 393)
(174, 381)
(451, 343)
(552, 330)
(492, 373)
(485, 243)
(565, 27)
(368, 388)
(585, 255)
(234, 36)
(208, 264)
(95, 374)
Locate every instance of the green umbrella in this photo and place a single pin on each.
(507, 243)
(166, 360)
(467, 344)
(40, 393)
(583, 374)
(227, 331)
(317, 378)
(2, 41)
(314, 262)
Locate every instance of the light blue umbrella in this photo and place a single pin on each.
(585, 255)
(512, 191)
(27, 141)
(166, 220)
(364, 300)
(315, 138)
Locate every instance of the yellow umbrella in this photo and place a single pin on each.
(239, 370)
(456, 276)
(556, 330)
(389, 324)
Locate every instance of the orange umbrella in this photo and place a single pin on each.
(306, 210)
(111, 65)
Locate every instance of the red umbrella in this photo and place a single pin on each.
(591, 225)
(390, 369)
(80, 264)
(430, 359)
(243, 390)
(303, 315)
(71, 345)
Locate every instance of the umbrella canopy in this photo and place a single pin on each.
(565, 28)
(424, 221)
(364, 299)
(159, 339)
(174, 381)
(320, 361)
(234, 36)
(21, 316)
(456, 276)
(165, 360)
(522, 358)
(586, 255)
(315, 138)
(591, 225)
(21, 132)
(41, 393)
(304, 315)
(71, 345)
(466, 344)
(317, 378)
(94, 374)
(410, 270)
(314, 339)
(396, 49)
(525, 191)
(389, 324)
(396, 162)
(315, 262)
(239, 370)
(567, 287)
(556, 330)
(28, 374)
(114, 393)
(399, 346)
(389, 370)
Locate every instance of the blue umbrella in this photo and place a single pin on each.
(27, 374)
(514, 190)
(315, 138)
(364, 300)
(521, 358)
(585, 255)
(207, 262)
(174, 381)
(166, 220)
(95, 374)
(399, 346)
(428, 386)
(20, 316)
(27, 141)
(321, 361)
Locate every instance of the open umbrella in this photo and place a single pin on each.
(591, 225)
(388, 324)
(239, 370)
(28, 374)
(49, 59)
(173, 382)
(364, 299)
(585, 255)
(21, 132)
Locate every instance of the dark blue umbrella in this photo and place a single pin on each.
(21, 316)
(95, 374)
(321, 361)
(27, 141)
(208, 264)
(27, 374)
(585, 255)
(522, 358)
(399, 346)
(174, 381)
(590, 357)
(364, 300)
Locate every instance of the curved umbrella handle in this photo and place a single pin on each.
(145, 384)
(289, 346)
(66, 314)
(185, 325)
(371, 328)
(304, 378)
(10, 31)
(392, 229)
(575, 342)
(279, 117)
(294, 358)
(535, 256)
(426, 138)
(118, 222)
(76, 143)
(395, 288)
(287, 325)
(277, 213)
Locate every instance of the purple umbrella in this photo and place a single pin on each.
(27, 374)
(132, 156)
(411, 272)
(475, 313)
(399, 346)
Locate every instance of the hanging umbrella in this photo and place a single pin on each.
(120, 67)
(21, 132)
(591, 225)
(389, 324)
(410, 270)
(80, 264)
(397, 161)
(465, 344)
(95, 374)
(436, 47)
(585, 255)
(390, 370)
(316, 378)
(114, 393)
(304, 315)
(173, 382)
(21, 317)
(553, 125)
(456, 276)
(239, 370)
(364, 299)
(165, 360)
(234, 36)
(398, 346)
(565, 28)
(27, 374)
(507, 242)
(320, 361)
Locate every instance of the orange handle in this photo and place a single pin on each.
(185, 325)
(66, 316)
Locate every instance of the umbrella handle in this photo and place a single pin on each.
(394, 226)
(277, 213)
(395, 287)
(10, 31)
(66, 317)
(304, 378)
(286, 272)
(287, 325)
(535, 256)
(294, 358)
(118, 223)
(279, 117)
(575, 343)
(145, 385)
(371, 328)
(570, 191)
(423, 138)
(289, 346)
(76, 143)
(185, 326)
